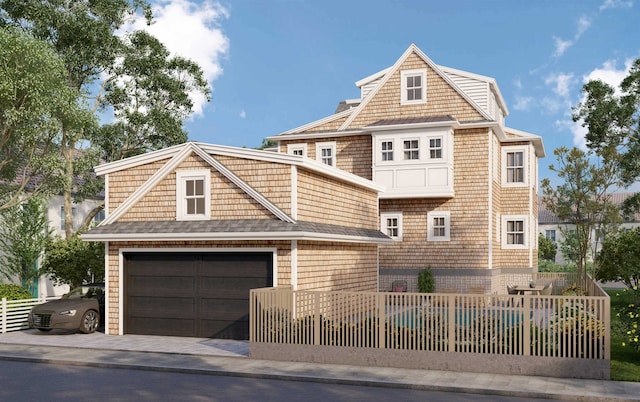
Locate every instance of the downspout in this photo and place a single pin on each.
(490, 152)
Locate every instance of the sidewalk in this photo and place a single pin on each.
(220, 357)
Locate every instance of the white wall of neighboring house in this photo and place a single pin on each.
(46, 286)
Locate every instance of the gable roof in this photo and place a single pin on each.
(412, 49)
(172, 164)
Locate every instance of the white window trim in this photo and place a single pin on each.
(441, 148)
(181, 207)
(525, 160)
(297, 147)
(403, 150)
(525, 231)
(321, 145)
(447, 225)
(422, 72)
(383, 223)
(381, 151)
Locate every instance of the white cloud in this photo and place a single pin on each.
(610, 74)
(561, 46)
(192, 30)
(243, 114)
(583, 24)
(577, 131)
(562, 83)
(608, 4)
(523, 103)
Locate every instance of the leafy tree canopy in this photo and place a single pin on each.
(619, 258)
(546, 248)
(73, 261)
(613, 123)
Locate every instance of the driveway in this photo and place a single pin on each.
(140, 343)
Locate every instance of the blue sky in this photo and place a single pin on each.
(275, 65)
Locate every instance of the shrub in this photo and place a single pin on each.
(426, 281)
(14, 292)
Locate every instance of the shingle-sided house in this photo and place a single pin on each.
(461, 187)
(191, 228)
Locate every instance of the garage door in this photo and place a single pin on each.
(192, 294)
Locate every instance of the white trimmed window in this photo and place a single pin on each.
(411, 149)
(439, 226)
(386, 147)
(193, 194)
(297, 149)
(414, 86)
(514, 162)
(435, 148)
(391, 224)
(326, 153)
(514, 231)
(74, 213)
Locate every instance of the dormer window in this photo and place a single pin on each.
(414, 86)
(193, 194)
(326, 153)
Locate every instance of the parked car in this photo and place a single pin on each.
(82, 308)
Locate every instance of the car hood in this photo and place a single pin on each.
(59, 305)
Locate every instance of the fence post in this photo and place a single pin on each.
(4, 315)
(382, 319)
(451, 321)
(316, 318)
(526, 331)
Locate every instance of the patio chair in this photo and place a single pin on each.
(512, 292)
(547, 290)
(399, 286)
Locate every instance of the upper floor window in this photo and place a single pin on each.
(326, 153)
(411, 149)
(297, 149)
(193, 196)
(514, 166)
(438, 226)
(387, 150)
(435, 148)
(391, 224)
(99, 217)
(514, 231)
(414, 84)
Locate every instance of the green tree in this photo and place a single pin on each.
(137, 80)
(619, 259)
(613, 125)
(24, 231)
(582, 201)
(546, 248)
(35, 102)
(74, 262)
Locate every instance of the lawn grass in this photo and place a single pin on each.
(625, 361)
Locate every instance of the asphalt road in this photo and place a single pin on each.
(24, 381)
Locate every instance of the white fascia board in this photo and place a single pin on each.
(138, 160)
(372, 77)
(327, 170)
(310, 136)
(448, 123)
(536, 140)
(229, 236)
(320, 122)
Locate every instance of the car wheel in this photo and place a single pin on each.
(90, 321)
(44, 329)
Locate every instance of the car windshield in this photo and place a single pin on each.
(85, 291)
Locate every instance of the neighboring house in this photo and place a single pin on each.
(55, 215)
(192, 228)
(552, 228)
(461, 187)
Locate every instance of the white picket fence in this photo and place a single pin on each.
(14, 314)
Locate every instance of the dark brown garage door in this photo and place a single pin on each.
(192, 294)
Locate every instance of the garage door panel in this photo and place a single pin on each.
(164, 326)
(216, 285)
(163, 305)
